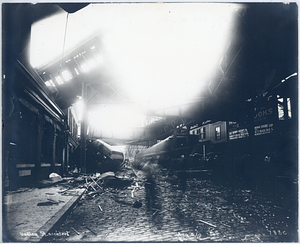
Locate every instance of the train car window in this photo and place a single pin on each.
(280, 106)
(284, 107)
(218, 133)
(289, 108)
(203, 133)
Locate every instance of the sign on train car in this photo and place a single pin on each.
(236, 131)
(264, 115)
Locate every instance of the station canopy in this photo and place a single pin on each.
(145, 62)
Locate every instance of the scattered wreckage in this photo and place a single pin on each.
(96, 184)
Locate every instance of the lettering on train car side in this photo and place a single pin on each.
(263, 113)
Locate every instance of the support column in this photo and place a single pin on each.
(83, 129)
(285, 107)
(54, 149)
(39, 146)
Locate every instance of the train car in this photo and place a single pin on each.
(102, 157)
(263, 139)
(175, 147)
(262, 144)
(211, 139)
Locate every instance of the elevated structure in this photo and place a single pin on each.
(261, 54)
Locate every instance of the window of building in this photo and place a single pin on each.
(218, 133)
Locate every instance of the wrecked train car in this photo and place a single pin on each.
(172, 149)
(102, 157)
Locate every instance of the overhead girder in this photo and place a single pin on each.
(263, 52)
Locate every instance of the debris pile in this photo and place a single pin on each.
(54, 178)
(123, 186)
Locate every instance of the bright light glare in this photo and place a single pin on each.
(159, 54)
(85, 68)
(77, 72)
(92, 63)
(66, 75)
(78, 107)
(59, 80)
(163, 54)
(115, 121)
(99, 59)
(49, 83)
(48, 39)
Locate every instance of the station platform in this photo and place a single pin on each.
(30, 214)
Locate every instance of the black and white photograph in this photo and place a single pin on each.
(150, 122)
